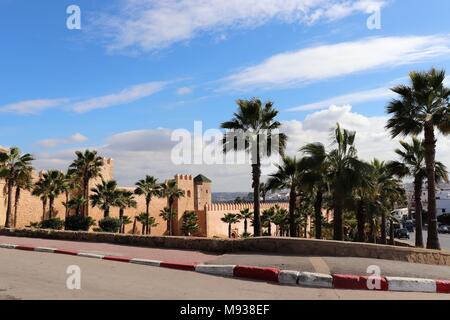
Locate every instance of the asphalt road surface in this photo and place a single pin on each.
(34, 275)
(443, 238)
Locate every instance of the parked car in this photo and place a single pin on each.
(401, 234)
(409, 225)
(444, 229)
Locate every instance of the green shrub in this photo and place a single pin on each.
(54, 223)
(189, 223)
(109, 224)
(79, 223)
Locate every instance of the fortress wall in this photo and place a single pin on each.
(215, 212)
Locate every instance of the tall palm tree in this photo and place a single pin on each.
(280, 219)
(71, 183)
(147, 222)
(171, 191)
(24, 181)
(343, 174)
(245, 214)
(54, 184)
(253, 129)
(105, 196)
(124, 200)
(423, 107)
(149, 188)
(315, 177)
(41, 190)
(289, 176)
(231, 219)
(86, 166)
(12, 165)
(412, 164)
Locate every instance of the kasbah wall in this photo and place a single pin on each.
(197, 198)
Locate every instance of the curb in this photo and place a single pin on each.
(272, 275)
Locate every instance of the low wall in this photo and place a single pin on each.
(288, 246)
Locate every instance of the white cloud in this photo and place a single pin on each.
(32, 106)
(377, 94)
(125, 96)
(335, 60)
(137, 153)
(148, 25)
(51, 143)
(184, 91)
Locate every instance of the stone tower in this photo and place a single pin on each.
(202, 192)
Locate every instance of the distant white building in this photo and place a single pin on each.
(443, 202)
(401, 214)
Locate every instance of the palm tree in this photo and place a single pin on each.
(70, 183)
(423, 107)
(105, 196)
(231, 219)
(254, 129)
(86, 166)
(343, 174)
(125, 221)
(24, 181)
(267, 220)
(148, 187)
(77, 203)
(288, 176)
(412, 164)
(124, 200)
(54, 183)
(189, 223)
(167, 214)
(280, 219)
(245, 214)
(316, 178)
(171, 191)
(147, 222)
(40, 190)
(12, 165)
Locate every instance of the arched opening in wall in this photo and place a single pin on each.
(189, 193)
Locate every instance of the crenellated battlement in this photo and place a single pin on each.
(241, 206)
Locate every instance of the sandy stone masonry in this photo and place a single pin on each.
(198, 195)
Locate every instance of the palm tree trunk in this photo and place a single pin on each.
(229, 230)
(418, 213)
(106, 212)
(360, 220)
(256, 172)
(67, 207)
(86, 196)
(391, 233)
(170, 222)
(122, 227)
(44, 205)
(373, 233)
(318, 214)
(338, 219)
(51, 202)
(430, 155)
(8, 221)
(292, 200)
(245, 226)
(269, 229)
(383, 228)
(147, 206)
(16, 205)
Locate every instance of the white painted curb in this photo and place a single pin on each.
(315, 280)
(153, 263)
(218, 270)
(411, 284)
(90, 255)
(8, 246)
(44, 249)
(288, 277)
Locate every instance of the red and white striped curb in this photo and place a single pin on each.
(273, 275)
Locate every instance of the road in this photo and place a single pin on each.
(443, 238)
(34, 275)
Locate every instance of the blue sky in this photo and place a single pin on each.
(138, 69)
